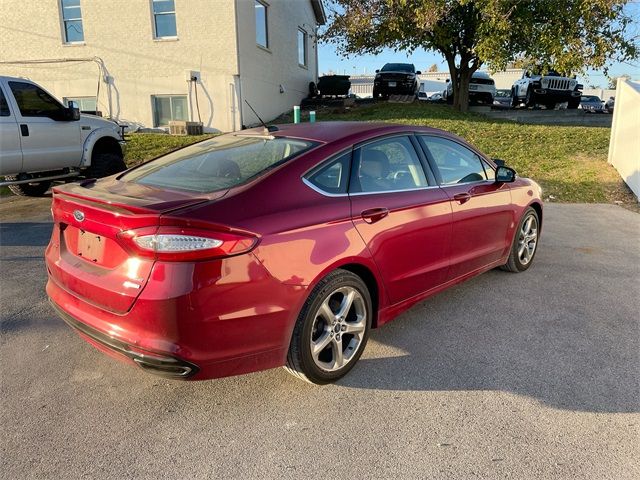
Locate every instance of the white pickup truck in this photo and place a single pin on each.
(42, 141)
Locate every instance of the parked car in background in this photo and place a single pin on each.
(610, 104)
(502, 99)
(422, 96)
(334, 85)
(180, 267)
(591, 104)
(436, 98)
(42, 141)
(482, 89)
(548, 90)
(396, 79)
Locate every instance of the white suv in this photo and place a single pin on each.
(482, 89)
(548, 90)
(42, 141)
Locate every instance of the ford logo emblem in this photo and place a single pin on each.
(78, 215)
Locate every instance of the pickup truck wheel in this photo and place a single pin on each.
(29, 189)
(573, 103)
(105, 164)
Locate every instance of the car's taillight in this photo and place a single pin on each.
(176, 244)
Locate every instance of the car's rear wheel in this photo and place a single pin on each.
(525, 243)
(332, 329)
(36, 189)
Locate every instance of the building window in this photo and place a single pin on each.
(85, 104)
(167, 108)
(262, 37)
(302, 47)
(72, 21)
(164, 19)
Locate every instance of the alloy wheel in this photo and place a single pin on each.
(528, 239)
(338, 329)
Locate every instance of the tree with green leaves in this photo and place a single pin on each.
(568, 35)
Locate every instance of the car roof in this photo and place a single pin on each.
(325, 132)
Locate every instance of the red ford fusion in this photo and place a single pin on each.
(281, 246)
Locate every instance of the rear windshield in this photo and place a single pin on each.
(398, 67)
(217, 164)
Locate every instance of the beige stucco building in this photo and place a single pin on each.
(145, 62)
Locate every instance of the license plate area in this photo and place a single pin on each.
(90, 246)
(392, 84)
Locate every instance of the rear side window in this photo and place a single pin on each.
(217, 164)
(34, 101)
(332, 177)
(4, 106)
(387, 165)
(457, 164)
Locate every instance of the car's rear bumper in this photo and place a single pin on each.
(159, 364)
(191, 324)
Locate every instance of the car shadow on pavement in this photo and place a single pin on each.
(565, 355)
(24, 234)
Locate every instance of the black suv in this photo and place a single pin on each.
(396, 78)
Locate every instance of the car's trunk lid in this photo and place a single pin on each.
(91, 263)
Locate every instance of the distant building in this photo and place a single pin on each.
(150, 62)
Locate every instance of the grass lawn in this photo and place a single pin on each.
(569, 162)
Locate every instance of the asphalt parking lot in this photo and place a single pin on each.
(525, 376)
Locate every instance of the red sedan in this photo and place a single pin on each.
(280, 246)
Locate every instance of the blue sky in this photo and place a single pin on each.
(330, 60)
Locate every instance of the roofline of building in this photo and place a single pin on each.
(318, 10)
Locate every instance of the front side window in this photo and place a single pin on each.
(217, 164)
(261, 24)
(164, 18)
(85, 104)
(388, 165)
(72, 21)
(302, 47)
(169, 107)
(33, 101)
(4, 106)
(457, 164)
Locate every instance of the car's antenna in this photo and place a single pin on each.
(270, 128)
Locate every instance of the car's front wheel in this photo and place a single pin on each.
(332, 329)
(525, 243)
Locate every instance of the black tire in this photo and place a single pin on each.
(550, 105)
(514, 99)
(529, 99)
(104, 164)
(515, 263)
(449, 100)
(29, 189)
(573, 103)
(300, 361)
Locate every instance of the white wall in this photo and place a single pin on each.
(624, 146)
(263, 71)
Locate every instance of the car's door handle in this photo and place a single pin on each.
(24, 129)
(373, 215)
(462, 197)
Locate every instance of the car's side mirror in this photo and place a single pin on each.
(418, 72)
(499, 162)
(377, 71)
(447, 80)
(505, 174)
